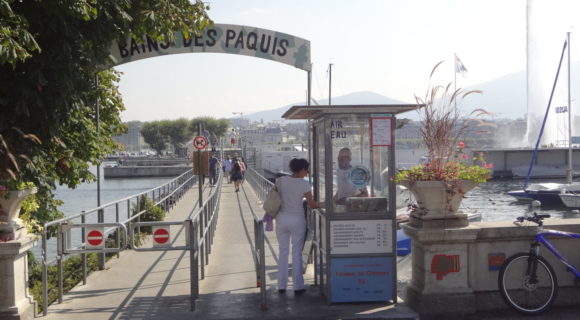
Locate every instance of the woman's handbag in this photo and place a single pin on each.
(272, 203)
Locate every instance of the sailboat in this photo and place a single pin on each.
(549, 193)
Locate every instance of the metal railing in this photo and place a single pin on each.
(259, 251)
(205, 217)
(164, 196)
(261, 187)
(260, 184)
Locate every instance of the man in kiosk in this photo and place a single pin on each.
(344, 187)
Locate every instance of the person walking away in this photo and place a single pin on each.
(213, 166)
(233, 136)
(291, 224)
(243, 166)
(213, 140)
(236, 174)
(228, 169)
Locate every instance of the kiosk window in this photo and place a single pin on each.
(359, 171)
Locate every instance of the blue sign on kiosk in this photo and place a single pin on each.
(355, 228)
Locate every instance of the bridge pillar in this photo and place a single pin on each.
(15, 301)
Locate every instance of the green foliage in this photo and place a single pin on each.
(52, 81)
(72, 275)
(16, 42)
(151, 132)
(453, 170)
(151, 212)
(218, 126)
(176, 131)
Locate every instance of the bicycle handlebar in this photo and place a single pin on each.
(536, 218)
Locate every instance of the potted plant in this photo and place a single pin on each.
(440, 183)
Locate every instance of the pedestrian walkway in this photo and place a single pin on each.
(155, 285)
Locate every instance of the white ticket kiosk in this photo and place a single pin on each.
(353, 149)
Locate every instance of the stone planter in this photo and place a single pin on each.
(438, 203)
(10, 203)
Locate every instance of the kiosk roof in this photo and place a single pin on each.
(314, 112)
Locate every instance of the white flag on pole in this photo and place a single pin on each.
(459, 67)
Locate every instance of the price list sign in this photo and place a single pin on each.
(381, 131)
(361, 236)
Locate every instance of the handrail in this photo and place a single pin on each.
(163, 196)
(260, 185)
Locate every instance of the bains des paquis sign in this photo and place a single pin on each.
(222, 38)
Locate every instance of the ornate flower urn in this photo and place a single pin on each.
(438, 203)
(11, 226)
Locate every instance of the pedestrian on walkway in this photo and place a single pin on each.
(228, 169)
(291, 224)
(213, 167)
(237, 174)
(233, 137)
(213, 141)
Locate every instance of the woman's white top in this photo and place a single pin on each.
(292, 191)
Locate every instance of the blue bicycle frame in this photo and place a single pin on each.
(541, 238)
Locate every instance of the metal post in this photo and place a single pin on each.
(201, 248)
(262, 265)
(192, 265)
(117, 232)
(101, 218)
(570, 172)
(199, 169)
(329, 84)
(44, 275)
(84, 255)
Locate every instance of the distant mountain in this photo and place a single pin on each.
(505, 97)
(362, 97)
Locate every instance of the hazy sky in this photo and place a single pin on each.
(385, 46)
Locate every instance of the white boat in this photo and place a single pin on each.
(570, 200)
(549, 193)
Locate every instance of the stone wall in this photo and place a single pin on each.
(468, 280)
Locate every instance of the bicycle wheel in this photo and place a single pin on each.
(519, 289)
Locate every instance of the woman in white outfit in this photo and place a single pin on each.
(291, 223)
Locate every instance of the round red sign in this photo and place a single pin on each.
(200, 142)
(161, 236)
(95, 238)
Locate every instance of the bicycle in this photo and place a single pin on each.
(527, 281)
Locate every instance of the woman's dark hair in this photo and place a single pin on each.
(298, 164)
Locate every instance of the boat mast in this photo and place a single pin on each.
(569, 173)
(534, 154)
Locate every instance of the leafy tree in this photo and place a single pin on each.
(176, 131)
(153, 135)
(217, 126)
(53, 58)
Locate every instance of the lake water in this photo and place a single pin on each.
(84, 197)
(489, 199)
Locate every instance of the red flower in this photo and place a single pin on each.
(461, 144)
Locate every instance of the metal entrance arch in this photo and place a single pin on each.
(224, 38)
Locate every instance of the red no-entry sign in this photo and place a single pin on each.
(160, 236)
(95, 238)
